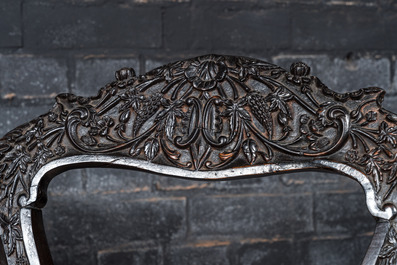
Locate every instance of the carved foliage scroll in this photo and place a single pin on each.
(207, 113)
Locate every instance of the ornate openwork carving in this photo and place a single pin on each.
(208, 117)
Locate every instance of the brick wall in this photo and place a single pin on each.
(106, 217)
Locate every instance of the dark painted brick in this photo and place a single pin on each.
(331, 252)
(390, 24)
(158, 1)
(229, 1)
(394, 85)
(273, 184)
(73, 254)
(75, 2)
(177, 32)
(103, 221)
(344, 75)
(251, 215)
(323, 181)
(165, 183)
(233, 4)
(309, 181)
(333, 214)
(31, 76)
(317, 181)
(13, 116)
(140, 256)
(389, 103)
(266, 3)
(65, 26)
(68, 183)
(270, 184)
(111, 180)
(269, 253)
(196, 255)
(243, 30)
(351, 3)
(10, 24)
(363, 244)
(152, 64)
(92, 74)
(339, 29)
(288, 183)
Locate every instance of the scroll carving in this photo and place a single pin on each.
(208, 113)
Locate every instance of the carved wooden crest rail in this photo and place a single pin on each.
(211, 117)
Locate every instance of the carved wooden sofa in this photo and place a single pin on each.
(211, 117)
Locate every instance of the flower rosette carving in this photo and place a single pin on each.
(205, 72)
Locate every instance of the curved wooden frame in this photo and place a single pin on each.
(210, 117)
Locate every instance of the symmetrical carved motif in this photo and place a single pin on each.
(204, 114)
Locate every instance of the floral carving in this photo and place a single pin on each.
(298, 73)
(101, 126)
(373, 164)
(59, 150)
(19, 161)
(387, 134)
(206, 72)
(125, 73)
(41, 156)
(351, 156)
(207, 113)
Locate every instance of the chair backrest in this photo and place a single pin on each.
(211, 117)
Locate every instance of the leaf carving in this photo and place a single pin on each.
(11, 231)
(388, 252)
(372, 163)
(151, 148)
(167, 117)
(170, 125)
(125, 116)
(20, 160)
